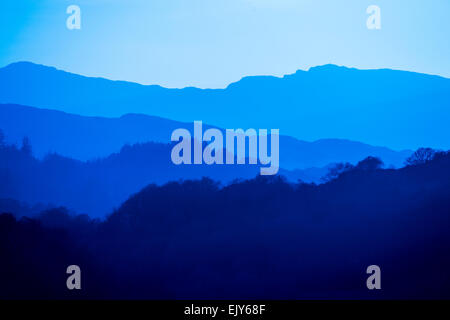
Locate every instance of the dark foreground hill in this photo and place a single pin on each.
(260, 238)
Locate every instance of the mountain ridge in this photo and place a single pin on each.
(396, 109)
(288, 75)
(86, 138)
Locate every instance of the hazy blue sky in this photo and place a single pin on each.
(210, 43)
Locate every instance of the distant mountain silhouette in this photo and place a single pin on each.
(86, 138)
(396, 109)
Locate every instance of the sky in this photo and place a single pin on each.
(212, 43)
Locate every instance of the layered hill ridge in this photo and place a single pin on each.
(396, 109)
(87, 138)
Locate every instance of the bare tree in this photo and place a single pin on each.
(370, 163)
(420, 156)
(2, 138)
(336, 170)
(26, 146)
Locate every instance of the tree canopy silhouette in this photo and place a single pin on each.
(257, 238)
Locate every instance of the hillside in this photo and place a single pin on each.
(97, 187)
(256, 239)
